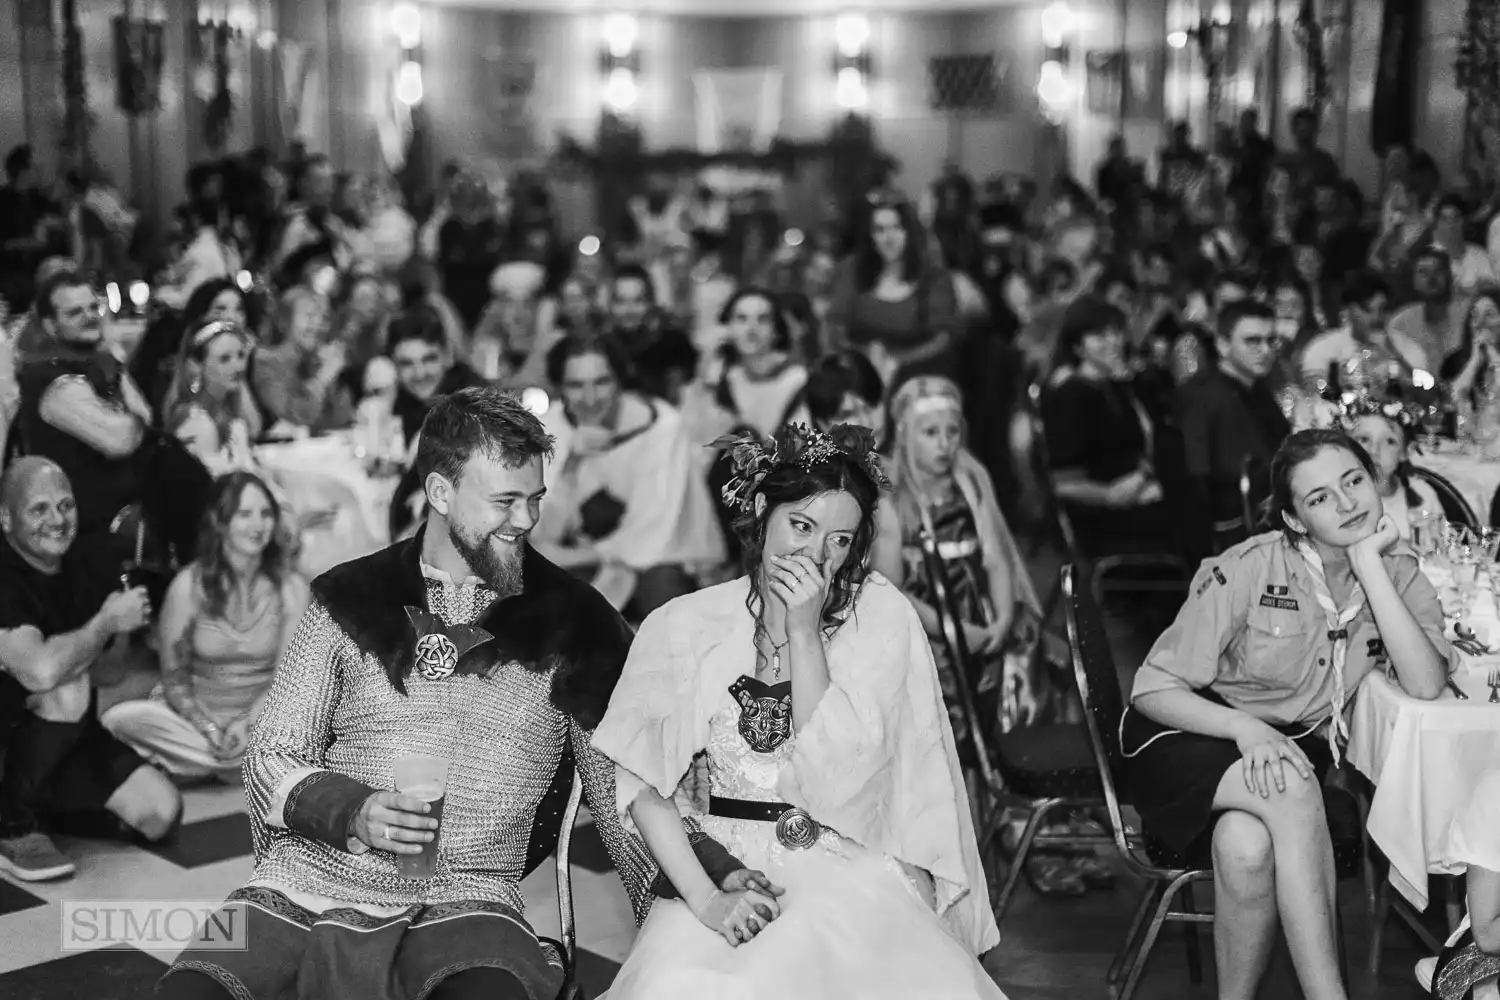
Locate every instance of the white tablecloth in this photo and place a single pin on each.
(1425, 759)
(1473, 475)
(323, 476)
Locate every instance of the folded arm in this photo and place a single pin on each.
(72, 406)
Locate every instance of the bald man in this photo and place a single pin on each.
(62, 770)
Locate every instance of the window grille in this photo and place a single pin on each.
(964, 83)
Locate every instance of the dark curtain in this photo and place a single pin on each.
(1396, 76)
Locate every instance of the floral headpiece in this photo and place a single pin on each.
(795, 444)
(1405, 415)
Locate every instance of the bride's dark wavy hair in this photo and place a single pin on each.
(789, 482)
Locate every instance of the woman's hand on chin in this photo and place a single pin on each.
(1369, 549)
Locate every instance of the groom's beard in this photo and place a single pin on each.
(497, 563)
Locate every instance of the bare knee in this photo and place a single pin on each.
(148, 802)
(1300, 801)
(1244, 855)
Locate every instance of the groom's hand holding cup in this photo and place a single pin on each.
(391, 821)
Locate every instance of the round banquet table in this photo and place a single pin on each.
(344, 510)
(1474, 476)
(1425, 758)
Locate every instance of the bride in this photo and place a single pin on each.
(808, 689)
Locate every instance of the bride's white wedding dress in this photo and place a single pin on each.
(854, 922)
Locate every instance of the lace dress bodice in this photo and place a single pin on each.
(739, 771)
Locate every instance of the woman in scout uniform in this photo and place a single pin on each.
(1239, 709)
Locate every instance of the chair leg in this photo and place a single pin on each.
(1143, 953)
(1132, 936)
(1372, 883)
(1190, 937)
(1380, 914)
(1023, 851)
(1338, 932)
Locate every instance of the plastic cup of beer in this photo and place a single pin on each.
(425, 777)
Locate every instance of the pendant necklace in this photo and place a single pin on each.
(775, 653)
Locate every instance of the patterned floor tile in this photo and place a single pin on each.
(14, 899)
(207, 841)
(108, 974)
(595, 973)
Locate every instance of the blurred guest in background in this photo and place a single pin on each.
(226, 621)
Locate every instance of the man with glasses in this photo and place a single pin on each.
(79, 408)
(1229, 415)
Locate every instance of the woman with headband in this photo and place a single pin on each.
(846, 863)
(209, 406)
(943, 492)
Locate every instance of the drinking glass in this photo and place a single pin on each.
(423, 776)
(1465, 560)
(1423, 532)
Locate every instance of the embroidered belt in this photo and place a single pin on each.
(794, 827)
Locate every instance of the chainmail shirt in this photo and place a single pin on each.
(332, 707)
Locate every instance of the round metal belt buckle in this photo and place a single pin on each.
(797, 830)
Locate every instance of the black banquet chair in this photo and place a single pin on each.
(1046, 770)
(1169, 880)
(566, 947)
(1455, 508)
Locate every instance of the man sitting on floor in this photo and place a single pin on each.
(61, 768)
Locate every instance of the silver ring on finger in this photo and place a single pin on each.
(388, 832)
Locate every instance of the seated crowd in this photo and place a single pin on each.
(1114, 376)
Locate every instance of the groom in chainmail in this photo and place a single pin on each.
(465, 643)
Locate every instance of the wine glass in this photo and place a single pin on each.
(1432, 426)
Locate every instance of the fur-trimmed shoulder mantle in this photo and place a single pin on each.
(557, 621)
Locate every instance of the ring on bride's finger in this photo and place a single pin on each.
(388, 831)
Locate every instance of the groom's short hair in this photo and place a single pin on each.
(484, 420)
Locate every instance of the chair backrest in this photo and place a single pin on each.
(1043, 465)
(1247, 504)
(958, 653)
(1098, 688)
(565, 912)
(1455, 507)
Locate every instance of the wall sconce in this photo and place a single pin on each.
(406, 25)
(620, 61)
(1057, 24)
(409, 83)
(1053, 87)
(851, 63)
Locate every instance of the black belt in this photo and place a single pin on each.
(794, 827)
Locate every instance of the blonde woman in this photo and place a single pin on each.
(209, 405)
(224, 624)
(943, 492)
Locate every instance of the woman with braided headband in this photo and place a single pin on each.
(809, 688)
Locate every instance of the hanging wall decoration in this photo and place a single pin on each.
(76, 146)
(1477, 73)
(1309, 34)
(214, 79)
(140, 48)
(1104, 87)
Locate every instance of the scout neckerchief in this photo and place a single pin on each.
(1338, 632)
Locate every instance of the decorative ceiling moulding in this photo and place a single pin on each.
(730, 8)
